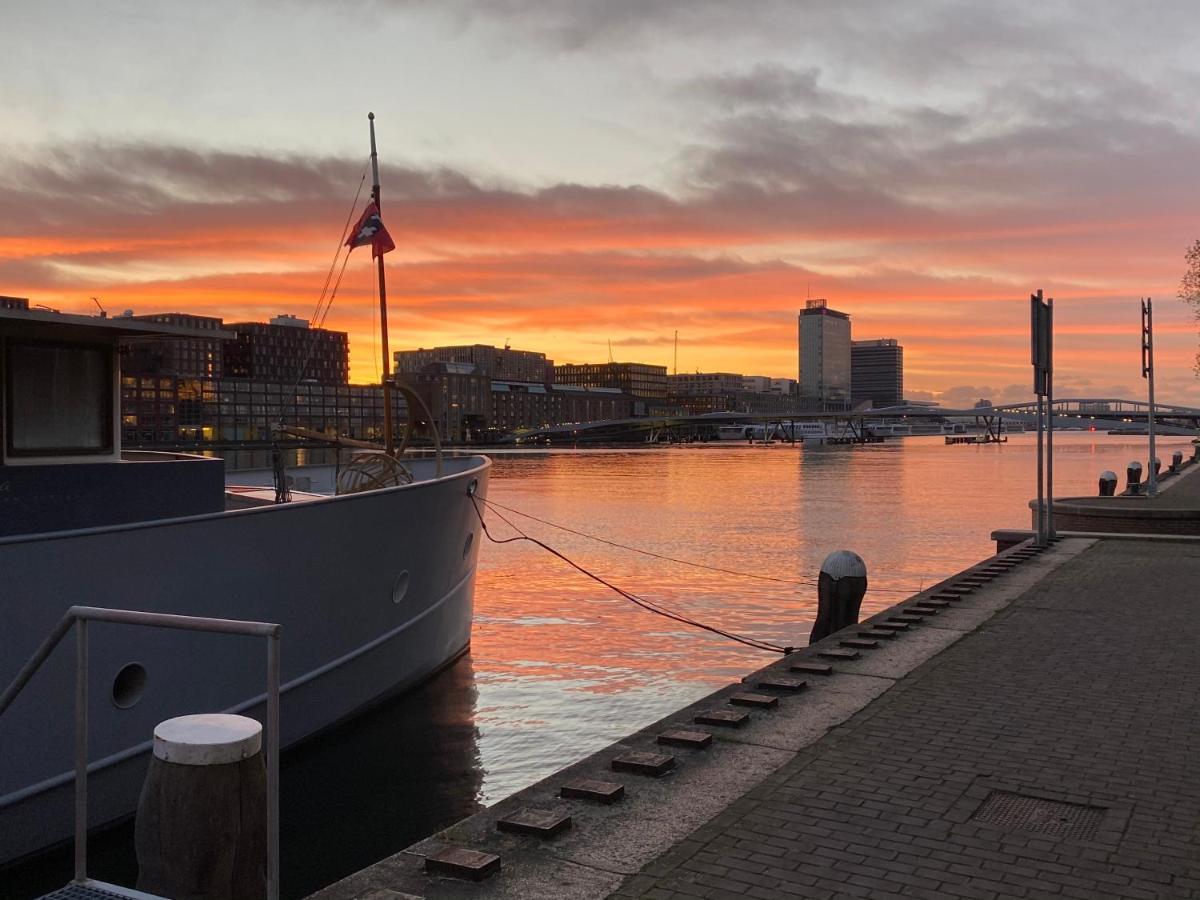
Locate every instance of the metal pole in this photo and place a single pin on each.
(1148, 373)
(1041, 506)
(1050, 418)
(389, 442)
(273, 767)
(81, 748)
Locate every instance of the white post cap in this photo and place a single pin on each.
(209, 739)
(844, 564)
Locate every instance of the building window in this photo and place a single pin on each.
(59, 399)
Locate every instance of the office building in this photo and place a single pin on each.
(639, 379)
(188, 357)
(13, 302)
(764, 384)
(288, 350)
(502, 363)
(824, 356)
(877, 372)
(698, 384)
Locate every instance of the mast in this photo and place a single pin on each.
(389, 442)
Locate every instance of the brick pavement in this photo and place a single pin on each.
(1085, 690)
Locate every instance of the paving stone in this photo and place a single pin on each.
(905, 619)
(727, 718)
(958, 588)
(932, 604)
(639, 762)
(606, 792)
(859, 643)
(757, 701)
(834, 653)
(812, 668)
(890, 626)
(538, 822)
(780, 683)
(921, 610)
(462, 862)
(680, 737)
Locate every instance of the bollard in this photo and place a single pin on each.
(840, 590)
(1176, 461)
(1108, 483)
(1155, 465)
(1196, 450)
(1133, 474)
(201, 829)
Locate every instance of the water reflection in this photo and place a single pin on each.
(380, 782)
(566, 666)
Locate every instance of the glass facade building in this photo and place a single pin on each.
(877, 372)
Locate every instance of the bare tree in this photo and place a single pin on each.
(1189, 287)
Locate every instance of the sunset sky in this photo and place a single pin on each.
(560, 175)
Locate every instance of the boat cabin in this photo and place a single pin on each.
(61, 462)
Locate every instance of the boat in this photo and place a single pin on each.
(373, 588)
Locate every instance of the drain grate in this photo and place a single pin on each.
(83, 892)
(1049, 817)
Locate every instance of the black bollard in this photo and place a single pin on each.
(1176, 461)
(1156, 465)
(1108, 483)
(840, 590)
(1133, 474)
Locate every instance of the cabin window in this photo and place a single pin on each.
(59, 399)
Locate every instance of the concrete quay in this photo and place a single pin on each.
(1034, 736)
(1174, 510)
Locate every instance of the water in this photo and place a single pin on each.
(561, 666)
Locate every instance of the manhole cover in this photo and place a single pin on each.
(1049, 817)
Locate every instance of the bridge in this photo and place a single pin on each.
(1103, 414)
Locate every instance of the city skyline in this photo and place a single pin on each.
(560, 176)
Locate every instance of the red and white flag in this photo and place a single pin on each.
(370, 230)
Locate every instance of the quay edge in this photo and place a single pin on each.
(609, 844)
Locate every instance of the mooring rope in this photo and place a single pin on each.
(683, 562)
(645, 604)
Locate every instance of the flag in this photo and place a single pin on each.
(370, 230)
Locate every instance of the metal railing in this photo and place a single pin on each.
(79, 617)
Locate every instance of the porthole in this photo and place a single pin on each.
(467, 544)
(129, 685)
(400, 588)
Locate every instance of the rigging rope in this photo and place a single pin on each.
(682, 562)
(318, 319)
(645, 604)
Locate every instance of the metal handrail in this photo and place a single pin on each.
(78, 617)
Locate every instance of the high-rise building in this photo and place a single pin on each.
(877, 372)
(638, 379)
(824, 354)
(502, 363)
